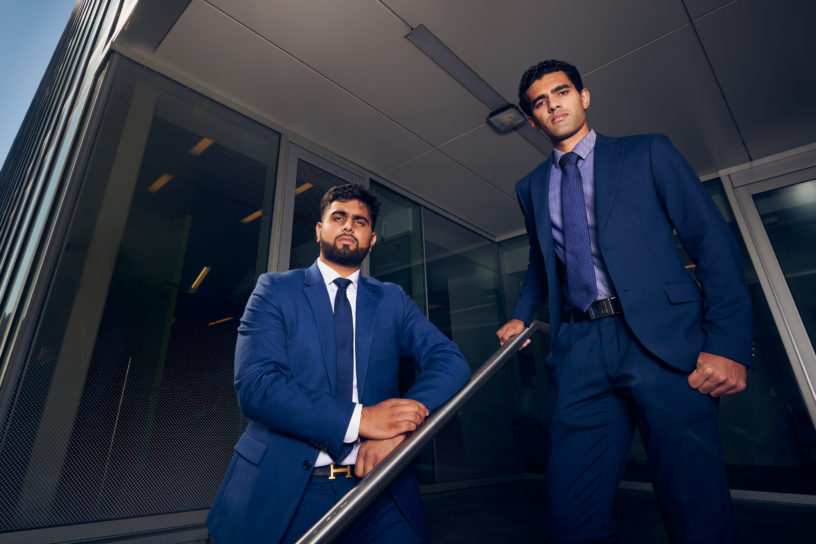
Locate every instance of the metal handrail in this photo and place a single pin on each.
(356, 500)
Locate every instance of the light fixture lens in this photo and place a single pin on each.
(202, 145)
(506, 119)
(197, 283)
(252, 217)
(305, 187)
(159, 183)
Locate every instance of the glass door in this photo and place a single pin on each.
(780, 216)
(308, 177)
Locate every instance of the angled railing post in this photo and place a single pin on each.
(356, 500)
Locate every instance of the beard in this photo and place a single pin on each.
(343, 255)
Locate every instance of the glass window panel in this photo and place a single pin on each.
(789, 217)
(310, 186)
(126, 406)
(465, 302)
(397, 256)
(768, 440)
(527, 369)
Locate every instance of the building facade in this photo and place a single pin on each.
(138, 207)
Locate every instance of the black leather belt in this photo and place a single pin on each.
(600, 308)
(332, 472)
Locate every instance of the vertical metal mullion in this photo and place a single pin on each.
(798, 346)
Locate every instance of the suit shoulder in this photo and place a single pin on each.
(536, 172)
(281, 279)
(378, 285)
(657, 139)
(655, 144)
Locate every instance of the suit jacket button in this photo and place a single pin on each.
(307, 465)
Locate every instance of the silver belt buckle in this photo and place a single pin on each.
(601, 308)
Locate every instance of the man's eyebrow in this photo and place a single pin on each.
(552, 91)
(361, 217)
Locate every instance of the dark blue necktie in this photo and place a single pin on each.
(581, 289)
(344, 341)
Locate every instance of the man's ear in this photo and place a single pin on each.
(373, 240)
(585, 97)
(318, 226)
(532, 122)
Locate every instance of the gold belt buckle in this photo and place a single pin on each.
(334, 470)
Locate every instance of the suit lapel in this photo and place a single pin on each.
(540, 195)
(540, 206)
(368, 299)
(607, 169)
(318, 298)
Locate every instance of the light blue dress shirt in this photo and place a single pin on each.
(585, 149)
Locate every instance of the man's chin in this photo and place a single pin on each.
(345, 257)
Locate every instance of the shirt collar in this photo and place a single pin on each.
(582, 148)
(330, 274)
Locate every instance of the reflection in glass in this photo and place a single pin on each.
(312, 183)
(397, 256)
(768, 440)
(789, 217)
(465, 302)
(527, 369)
(126, 407)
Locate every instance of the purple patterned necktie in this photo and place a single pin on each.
(581, 288)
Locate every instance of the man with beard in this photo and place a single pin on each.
(316, 372)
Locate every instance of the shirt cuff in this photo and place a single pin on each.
(353, 430)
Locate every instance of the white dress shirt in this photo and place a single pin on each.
(352, 432)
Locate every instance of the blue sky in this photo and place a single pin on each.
(29, 32)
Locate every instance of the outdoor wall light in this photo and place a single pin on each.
(506, 119)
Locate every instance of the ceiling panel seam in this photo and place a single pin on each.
(717, 81)
(321, 74)
(395, 14)
(714, 10)
(633, 51)
(499, 189)
(431, 146)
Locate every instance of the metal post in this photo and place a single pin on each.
(356, 500)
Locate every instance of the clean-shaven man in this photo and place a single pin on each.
(636, 343)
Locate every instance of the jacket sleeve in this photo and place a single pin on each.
(443, 370)
(267, 392)
(533, 292)
(706, 237)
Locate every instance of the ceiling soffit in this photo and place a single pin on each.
(342, 75)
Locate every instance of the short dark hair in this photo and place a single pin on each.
(541, 69)
(352, 191)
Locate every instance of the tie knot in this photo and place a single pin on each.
(342, 283)
(568, 159)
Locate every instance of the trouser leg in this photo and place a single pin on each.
(680, 431)
(589, 437)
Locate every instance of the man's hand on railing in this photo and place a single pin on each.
(391, 417)
(372, 453)
(510, 330)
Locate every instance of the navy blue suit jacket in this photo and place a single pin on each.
(644, 189)
(285, 378)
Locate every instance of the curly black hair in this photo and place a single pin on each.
(541, 69)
